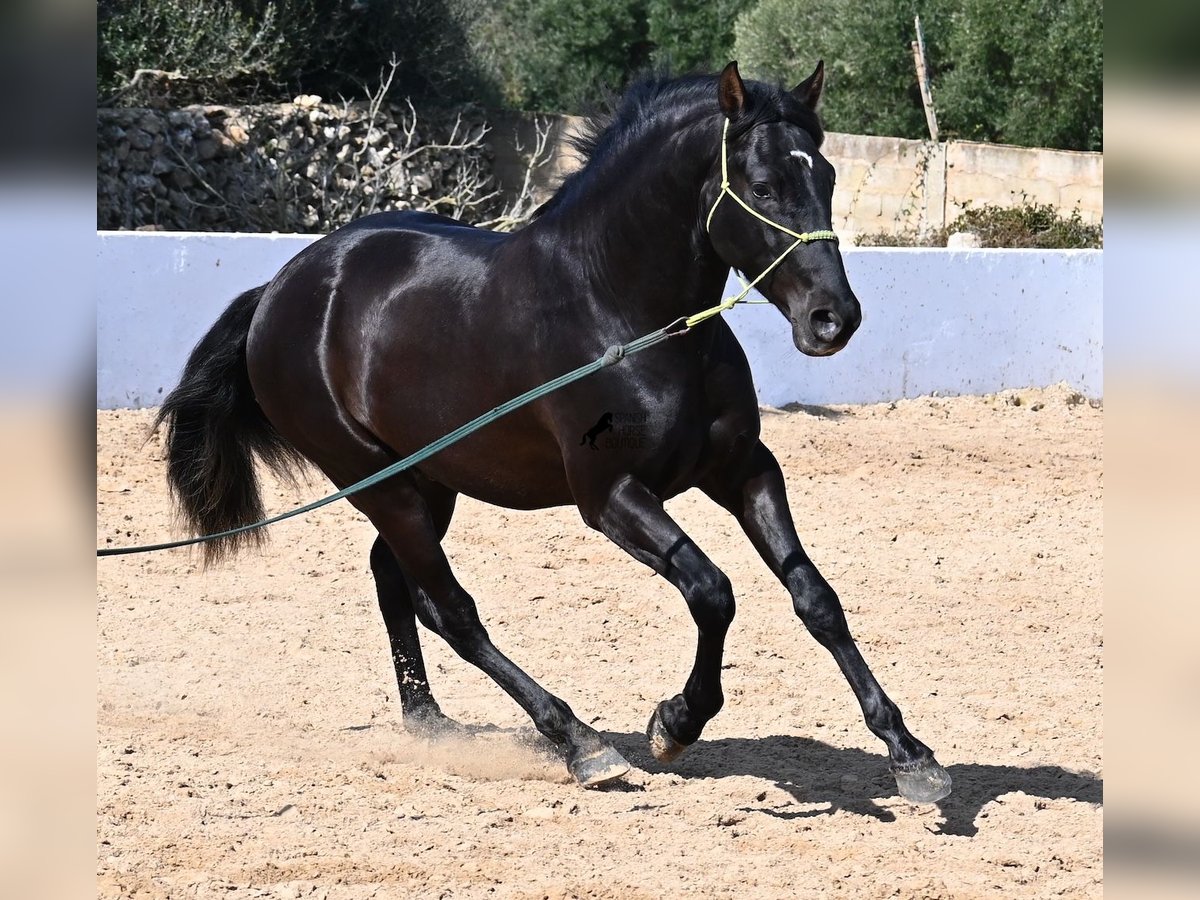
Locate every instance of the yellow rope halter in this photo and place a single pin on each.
(806, 237)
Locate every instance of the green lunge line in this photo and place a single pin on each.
(612, 356)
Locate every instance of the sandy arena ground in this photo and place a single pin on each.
(249, 741)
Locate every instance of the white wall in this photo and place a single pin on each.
(956, 322)
(157, 294)
(951, 321)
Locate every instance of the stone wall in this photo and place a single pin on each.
(889, 185)
(309, 166)
(993, 173)
(306, 166)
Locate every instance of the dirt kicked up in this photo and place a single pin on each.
(249, 740)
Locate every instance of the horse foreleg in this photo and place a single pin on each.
(756, 495)
(634, 519)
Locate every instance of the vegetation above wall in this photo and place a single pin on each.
(1026, 226)
(1026, 72)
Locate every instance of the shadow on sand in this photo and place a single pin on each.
(848, 779)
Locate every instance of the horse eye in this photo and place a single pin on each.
(760, 190)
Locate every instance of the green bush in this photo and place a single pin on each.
(229, 51)
(1030, 72)
(1030, 225)
(217, 48)
(1027, 72)
(1037, 226)
(560, 55)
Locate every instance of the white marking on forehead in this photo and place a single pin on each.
(800, 154)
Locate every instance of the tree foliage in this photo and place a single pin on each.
(1026, 72)
(234, 50)
(1029, 72)
(560, 55)
(871, 84)
(567, 55)
(691, 35)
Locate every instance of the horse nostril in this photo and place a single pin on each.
(825, 324)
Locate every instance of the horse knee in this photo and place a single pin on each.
(709, 596)
(821, 612)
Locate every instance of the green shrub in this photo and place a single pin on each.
(1029, 225)
(216, 48)
(231, 51)
(560, 55)
(691, 35)
(1027, 72)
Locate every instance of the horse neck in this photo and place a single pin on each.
(638, 223)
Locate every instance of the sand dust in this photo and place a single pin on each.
(249, 741)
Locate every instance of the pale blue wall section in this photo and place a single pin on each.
(956, 322)
(157, 294)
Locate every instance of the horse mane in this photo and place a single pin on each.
(657, 98)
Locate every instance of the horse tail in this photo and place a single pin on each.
(215, 428)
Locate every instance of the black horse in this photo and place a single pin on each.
(394, 330)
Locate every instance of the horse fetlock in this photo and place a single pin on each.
(715, 615)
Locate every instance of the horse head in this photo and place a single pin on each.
(777, 217)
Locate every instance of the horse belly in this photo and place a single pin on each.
(512, 462)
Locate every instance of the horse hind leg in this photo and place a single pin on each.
(405, 522)
(395, 592)
(422, 715)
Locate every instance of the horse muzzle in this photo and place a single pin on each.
(826, 329)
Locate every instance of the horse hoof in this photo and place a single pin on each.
(926, 782)
(664, 747)
(599, 768)
(431, 724)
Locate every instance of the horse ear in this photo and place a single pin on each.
(809, 90)
(731, 92)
